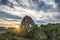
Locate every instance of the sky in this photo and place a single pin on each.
(41, 11)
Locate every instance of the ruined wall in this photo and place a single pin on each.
(27, 21)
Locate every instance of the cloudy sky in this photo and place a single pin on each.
(41, 11)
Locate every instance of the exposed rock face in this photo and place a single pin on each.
(27, 21)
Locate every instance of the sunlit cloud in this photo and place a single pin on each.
(35, 10)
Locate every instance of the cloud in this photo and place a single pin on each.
(38, 15)
(44, 5)
(39, 10)
(50, 2)
(7, 15)
(58, 4)
(0, 0)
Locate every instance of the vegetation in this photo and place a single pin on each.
(44, 32)
(29, 31)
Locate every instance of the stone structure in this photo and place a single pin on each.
(27, 21)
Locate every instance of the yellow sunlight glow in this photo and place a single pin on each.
(17, 26)
(17, 30)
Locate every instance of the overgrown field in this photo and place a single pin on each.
(44, 32)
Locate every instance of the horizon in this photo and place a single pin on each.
(29, 19)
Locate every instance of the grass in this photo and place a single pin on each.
(36, 33)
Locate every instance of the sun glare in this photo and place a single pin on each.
(17, 26)
(17, 29)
